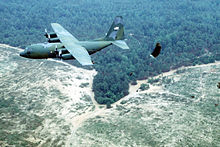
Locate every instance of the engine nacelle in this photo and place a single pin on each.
(64, 51)
(67, 56)
(52, 35)
(53, 40)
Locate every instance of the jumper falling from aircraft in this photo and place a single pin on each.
(61, 44)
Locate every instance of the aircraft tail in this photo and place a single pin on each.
(116, 31)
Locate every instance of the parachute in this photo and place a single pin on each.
(156, 51)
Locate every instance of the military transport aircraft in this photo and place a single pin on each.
(61, 44)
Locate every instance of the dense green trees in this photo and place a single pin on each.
(187, 30)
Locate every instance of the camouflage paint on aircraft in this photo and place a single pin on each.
(62, 44)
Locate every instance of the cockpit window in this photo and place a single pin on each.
(28, 50)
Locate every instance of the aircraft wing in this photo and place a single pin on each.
(71, 44)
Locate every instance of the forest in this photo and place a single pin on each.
(188, 30)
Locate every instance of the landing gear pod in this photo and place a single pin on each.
(156, 51)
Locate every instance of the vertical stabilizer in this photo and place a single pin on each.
(116, 32)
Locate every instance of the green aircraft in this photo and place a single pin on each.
(61, 44)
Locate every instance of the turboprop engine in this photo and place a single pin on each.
(67, 56)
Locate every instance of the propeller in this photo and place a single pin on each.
(47, 34)
(58, 52)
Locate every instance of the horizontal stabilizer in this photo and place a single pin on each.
(120, 43)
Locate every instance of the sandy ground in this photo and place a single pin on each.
(133, 89)
(101, 111)
(68, 85)
(8, 46)
(132, 93)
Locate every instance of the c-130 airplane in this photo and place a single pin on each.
(61, 44)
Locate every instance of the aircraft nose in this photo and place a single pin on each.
(23, 54)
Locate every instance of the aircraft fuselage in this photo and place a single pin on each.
(57, 50)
